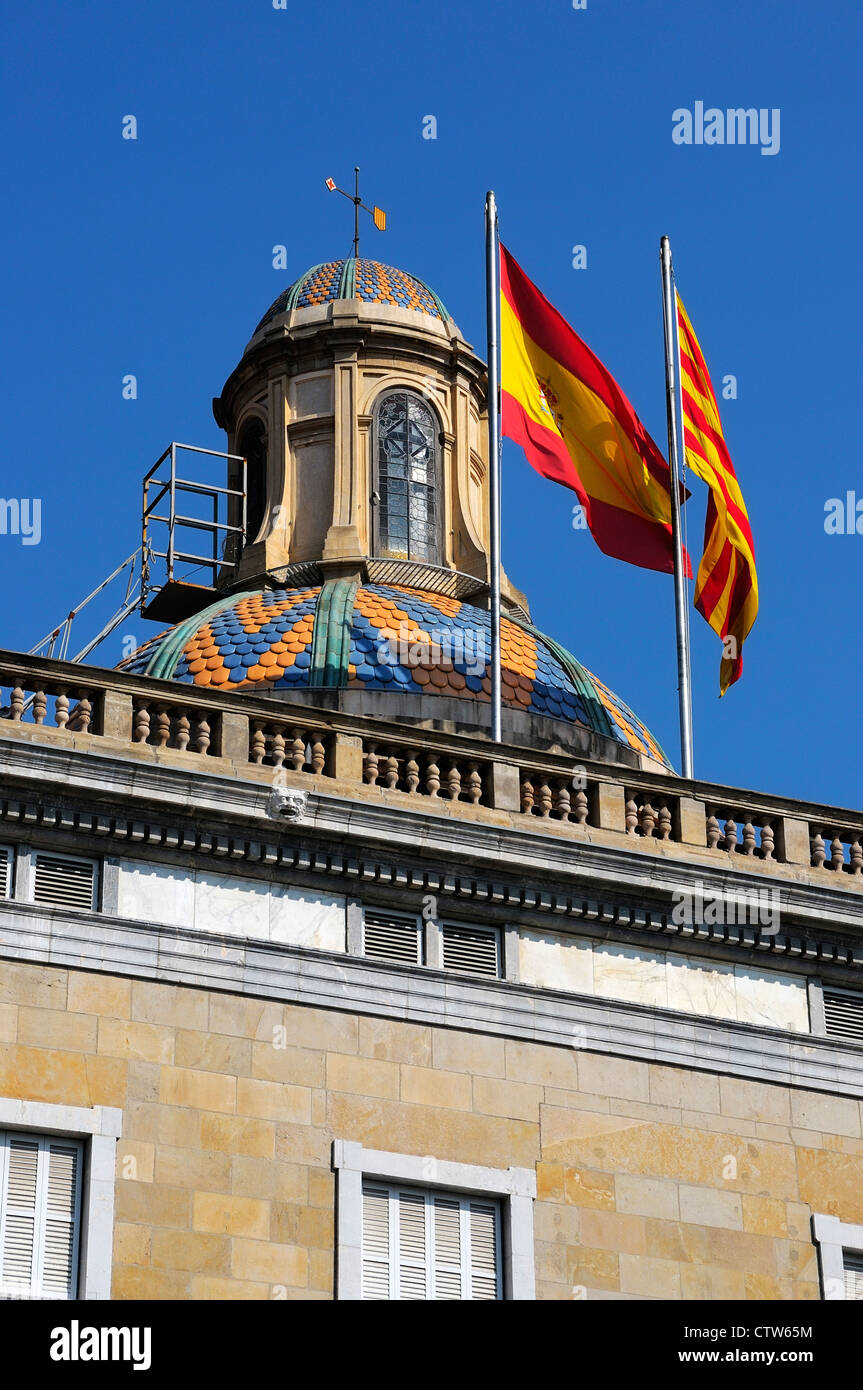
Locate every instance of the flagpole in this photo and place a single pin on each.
(492, 281)
(672, 366)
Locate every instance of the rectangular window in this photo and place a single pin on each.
(393, 936)
(40, 1215)
(843, 1014)
(6, 871)
(471, 950)
(426, 1244)
(59, 880)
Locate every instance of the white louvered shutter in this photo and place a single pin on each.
(412, 1246)
(843, 1014)
(853, 1262)
(18, 1216)
(60, 1236)
(40, 1202)
(471, 950)
(376, 1242)
(427, 1245)
(61, 882)
(446, 1212)
(484, 1220)
(390, 936)
(5, 871)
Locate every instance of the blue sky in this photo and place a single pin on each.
(154, 257)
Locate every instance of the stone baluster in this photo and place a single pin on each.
(297, 753)
(855, 862)
(412, 775)
(663, 822)
(453, 781)
(581, 808)
(768, 840)
(631, 816)
(84, 714)
(474, 784)
(202, 732)
(277, 746)
(647, 820)
(40, 705)
(391, 771)
(162, 730)
(731, 836)
(258, 744)
(545, 799)
(527, 796)
(61, 708)
(819, 853)
(370, 765)
(319, 756)
(714, 834)
(16, 702)
(837, 855)
(750, 840)
(432, 776)
(562, 802)
(141, 727)
(182, 732)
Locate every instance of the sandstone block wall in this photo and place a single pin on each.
(652, 1181)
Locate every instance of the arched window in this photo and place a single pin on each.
(252, 444)
(407, 467)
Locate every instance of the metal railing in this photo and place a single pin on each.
(220, 531)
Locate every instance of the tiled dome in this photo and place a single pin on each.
(382, 637)
(357, 279)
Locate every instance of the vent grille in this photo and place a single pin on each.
(853, 1276)
(843, 1015)
(386, 936)
(471, 950)
(5, 872)
(59, 882)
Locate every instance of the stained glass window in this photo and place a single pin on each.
(407, 478)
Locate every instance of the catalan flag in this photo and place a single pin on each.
(577, 427)
(726, 586)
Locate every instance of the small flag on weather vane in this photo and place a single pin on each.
(377, 214)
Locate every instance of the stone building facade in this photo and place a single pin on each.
(309, 991)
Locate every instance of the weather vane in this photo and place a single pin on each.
(376, 213)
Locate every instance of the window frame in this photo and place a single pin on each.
(513, 1188)
(832, 1237)
(98, 1129)
(436, 546)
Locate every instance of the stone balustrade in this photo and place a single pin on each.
(259, 736)
(178, 726)
(422, 772)
(736, 830)
(839, 849)
(551, 797)
(39, 700)
(650, 815)
(277, 743)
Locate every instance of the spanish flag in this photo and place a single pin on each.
(577, 427)
(726, 586)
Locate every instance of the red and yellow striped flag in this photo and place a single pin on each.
(577, 427)
(726, 587)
